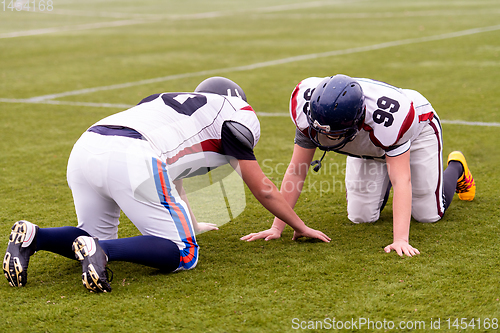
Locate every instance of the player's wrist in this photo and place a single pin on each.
(277, 229)
(401, 240)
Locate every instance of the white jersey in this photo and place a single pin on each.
(184, 129)
(391, 122)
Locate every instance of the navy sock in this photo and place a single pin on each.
(58, 240)
(150, 251)
(452, 173)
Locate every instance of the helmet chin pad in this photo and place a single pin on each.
(321, 138)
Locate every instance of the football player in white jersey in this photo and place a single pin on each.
(135, 161)
(392, 137)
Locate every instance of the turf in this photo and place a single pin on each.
(277, 286)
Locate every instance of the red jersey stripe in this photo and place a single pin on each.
(207, 145)
(406, 123)
(426, 116)
(293, 104)
(247, 108)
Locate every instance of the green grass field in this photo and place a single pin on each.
(64, 69)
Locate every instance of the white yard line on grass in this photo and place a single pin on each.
(78, 27)
(269, 63)
(361, 15)
(147, 18)
(54, 102)
(260, 114)
(453, 122)
(49, 99)
(195, 16)
(470, 123)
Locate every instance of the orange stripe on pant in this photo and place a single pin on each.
(179, 215)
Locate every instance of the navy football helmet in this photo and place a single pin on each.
(221, 86)
(337, 111)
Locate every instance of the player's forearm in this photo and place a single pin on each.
(291, 188)
(269, 196)
(400, 175)
(402, 212)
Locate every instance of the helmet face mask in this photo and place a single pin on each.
(336, 112)
(331, 140)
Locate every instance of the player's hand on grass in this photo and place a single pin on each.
(273, 233)
(402, 248)
(200, 227)
(268, 234)
(311, 233)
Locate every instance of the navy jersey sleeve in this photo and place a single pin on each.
(232, 146)
(149, 98)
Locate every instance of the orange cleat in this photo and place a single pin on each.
(466, 186)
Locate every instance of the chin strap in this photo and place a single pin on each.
(317, 163)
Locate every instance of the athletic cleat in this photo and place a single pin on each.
(22, 245)
(94, 261)
(466, 186)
